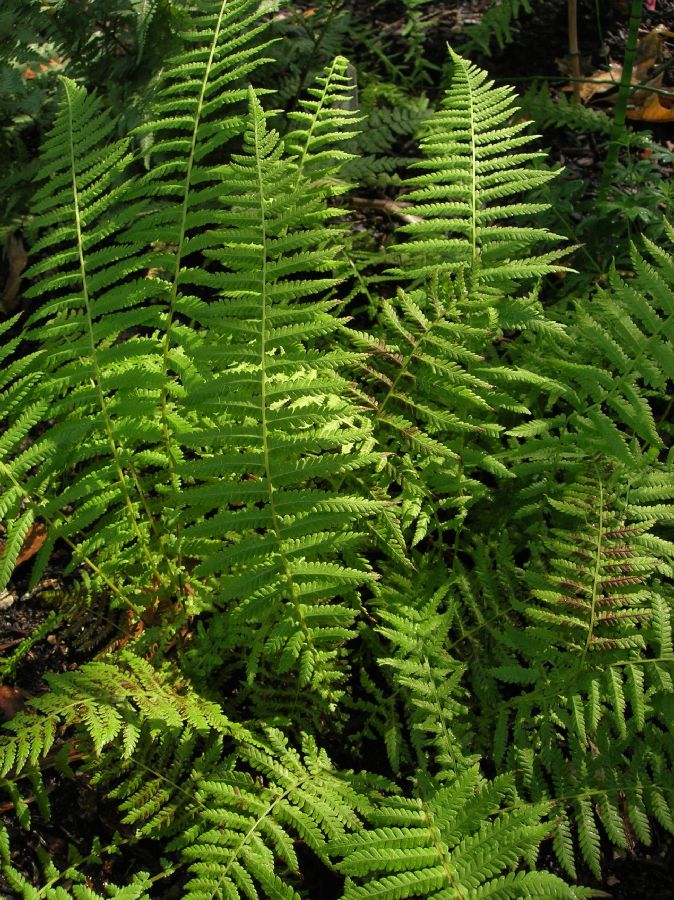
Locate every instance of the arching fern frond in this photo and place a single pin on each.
(436, 386)
(106, 702)
(229, 806)
(416, 624)
(614, 362)
(475, 161)
(594, 669)
(449, 841)
(199, 108)
(286, 428)
(325, 121)
(252, 811)
(91, 291)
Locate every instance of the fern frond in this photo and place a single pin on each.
(252, 815)
(188, 129)
(79, 887)
(108, 702)
(323, 123)
(562, 112)
(592, 667)
(422, 670)
(436, 387)
(475, 162)
(448, 841)
(84, 309)
(387, 144)
(145, 11)
(288, 429)
(614, 362)
(424, 392)
(229, 805)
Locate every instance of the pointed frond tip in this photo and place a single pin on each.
(475, 158)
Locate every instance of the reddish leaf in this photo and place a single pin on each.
(16, 263)
(34, 540)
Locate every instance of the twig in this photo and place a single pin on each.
(637, 86)
(391, 207)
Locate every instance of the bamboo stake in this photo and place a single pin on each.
(574, 53)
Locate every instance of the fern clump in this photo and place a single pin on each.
(392, 582)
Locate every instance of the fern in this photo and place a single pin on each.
(324, 122)
(299, 411)
(136, 889)
(434, 387)
(582, 643)
(561, 112)
(82, 182)
(248, 817)
(97, 293)
(286, 427)
(145, 11)
(386, 147)
(109, 702)
(159, 754)
(430, 677)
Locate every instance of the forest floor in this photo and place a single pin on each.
(631, 874)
